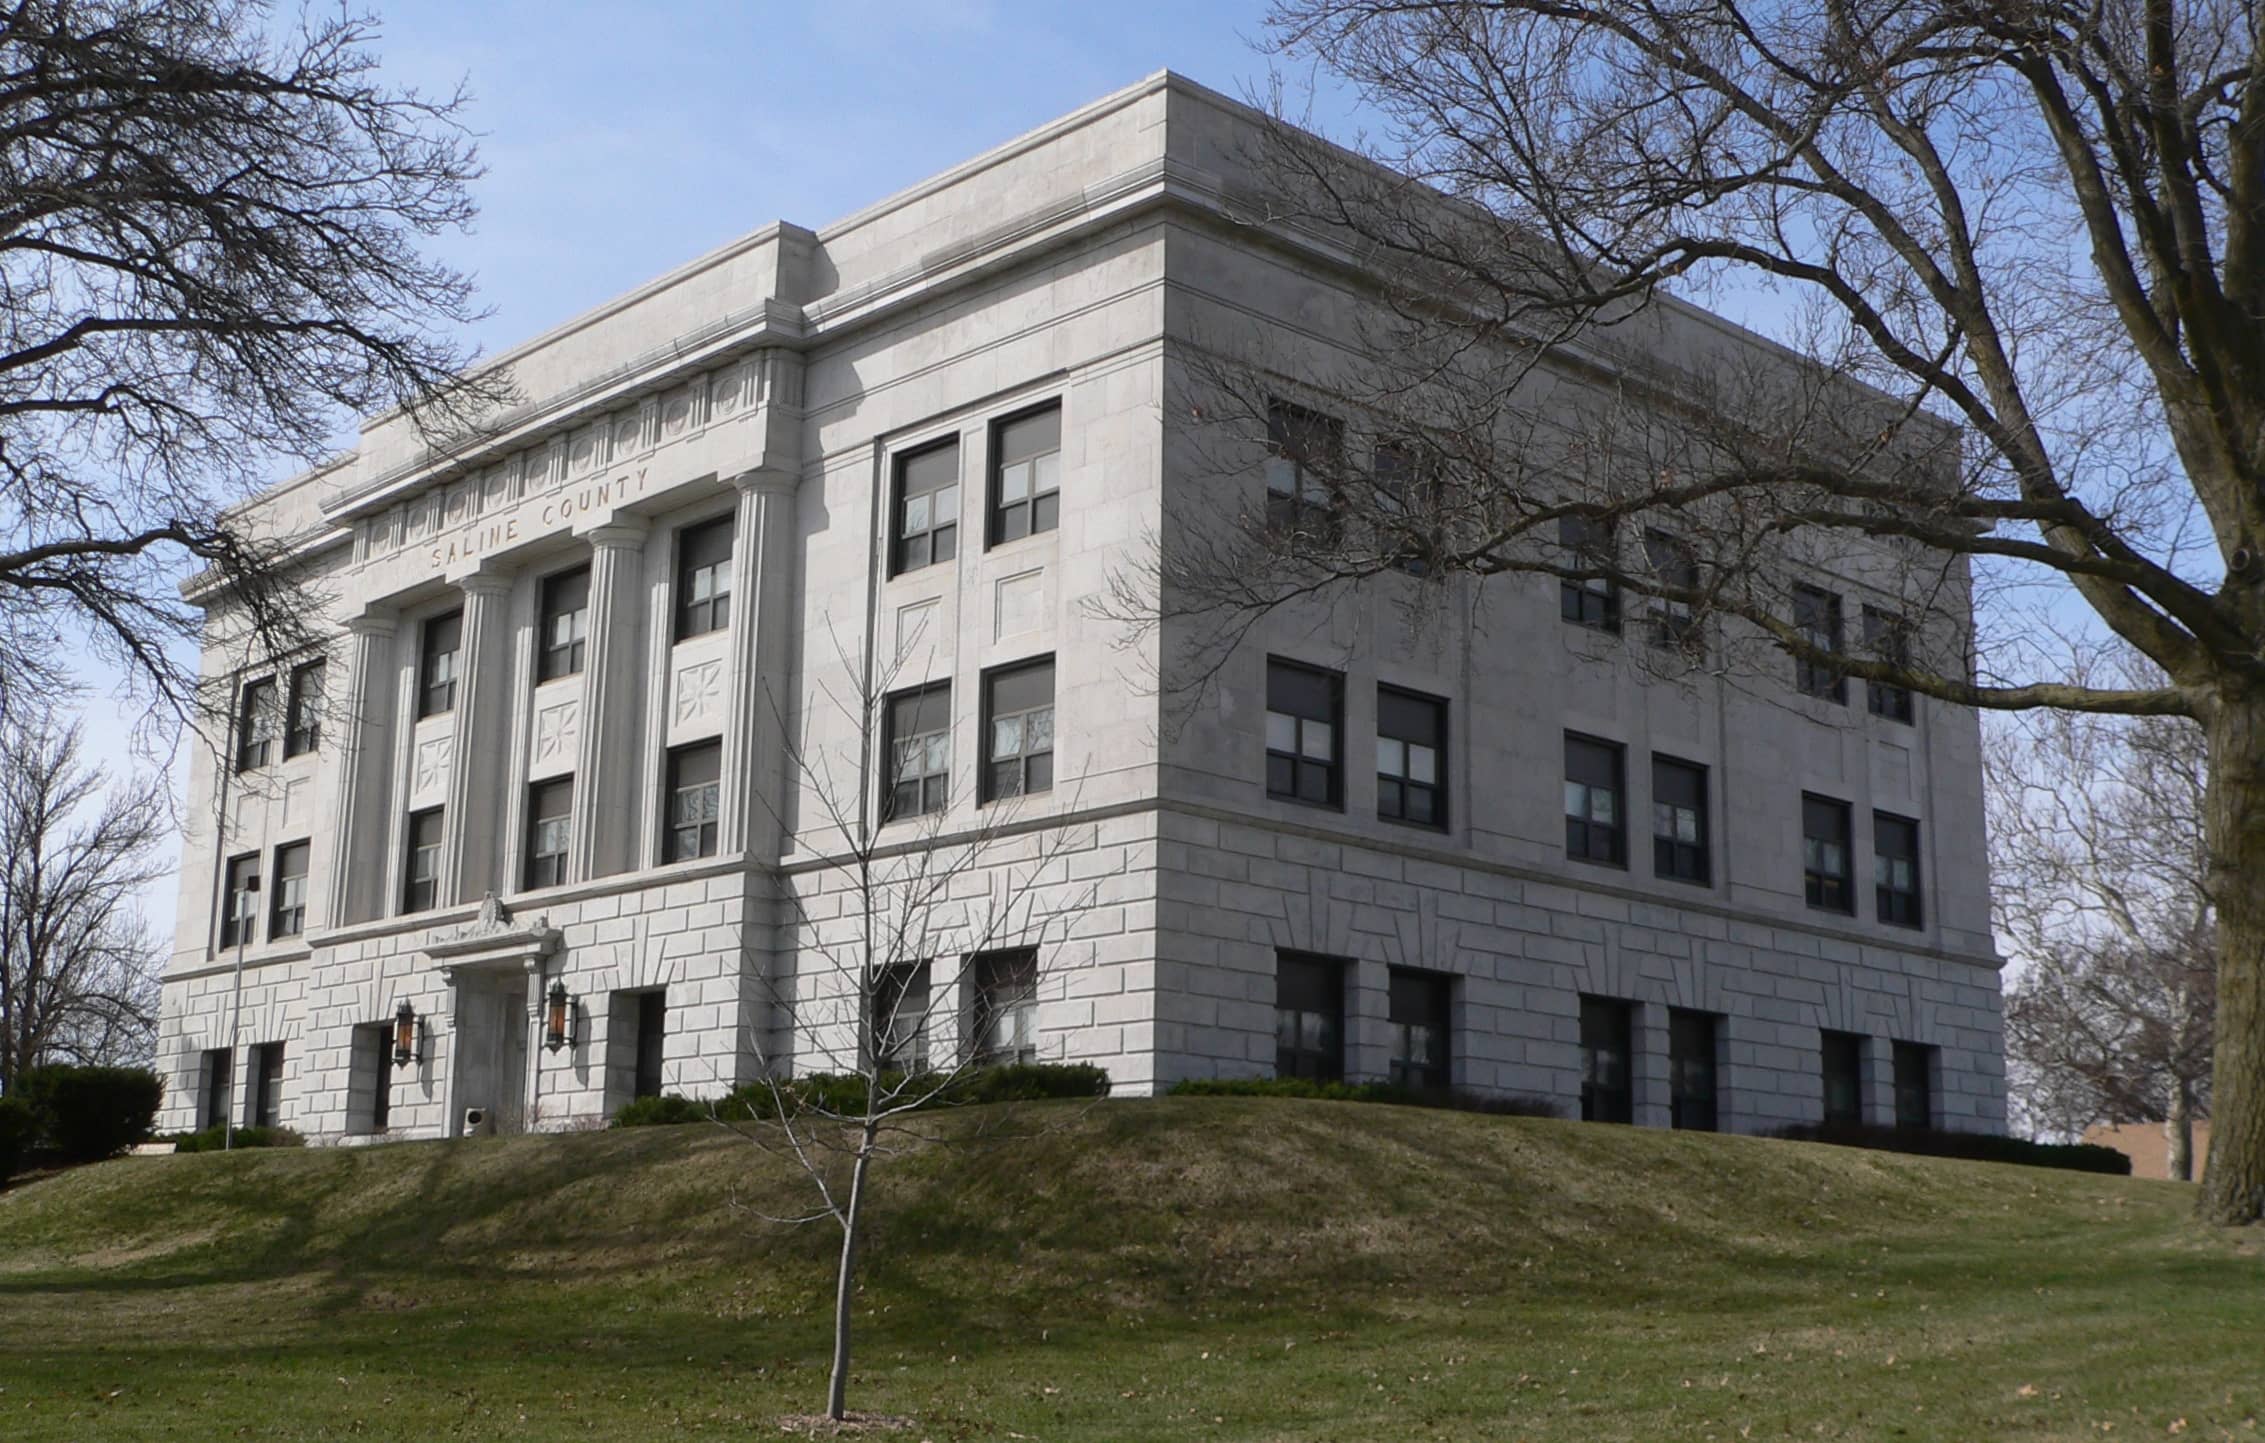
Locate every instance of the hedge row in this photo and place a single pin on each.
(76, 1114)
(215, 1139)
(1981, 1146)
(1453, 1099)
(844, 1093)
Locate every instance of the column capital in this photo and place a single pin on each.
(622, 533)
(768, 480)
(377, 621)
(484, 583)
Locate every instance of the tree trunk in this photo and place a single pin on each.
(2233, 1182)
(2178, 1133)
(845, 1281)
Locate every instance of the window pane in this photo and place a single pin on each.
(1317, 741)
(1423, 765)
(1281, 732)
(1391, 757)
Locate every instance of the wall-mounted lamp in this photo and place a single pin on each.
(407, 1035)
(558, 1026)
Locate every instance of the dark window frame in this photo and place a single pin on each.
(263, 1100)
(1395, 791)
(1407, 476)
(702, 825)
(1817, 615)
(1675, 857)
(893, 1042)
(1887, 636)
(237, 928)
(1288, 771)
(1694, 1071)
(1841, 1058)
(1305, 454)
(438, 666)
(1582, 832)
(302, 715)
(558, 657)
(258, 725)
(374, 1041)
(1594, 602)
(1003, 985)
(934, 786)
(1032, 512)
(1601, 1099)
(1033, 765)
(1309, 1015)
(1896, 904)
(412, 849)
(551, 868)
(649, 1049)
(1914, 1067)
(216, 1087)
(1819, 886)
(286, 915)
(938, 538)
(703, 582)
(1420, 1002)
(1674, 562)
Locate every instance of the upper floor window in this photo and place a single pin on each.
(1026, 475)
(239, 901)
(1309, 1016)
(1305, 717)
(1824, 854)
(926, 508)
(1887, 637)
(1018, 729)
(898, 1027)
(287, 908)
(1679, 820)
(919, 748)
(550, 831)
(302, 731)
(1006, 1007)
(1592, 601)
(420, 876)
(1594, 786)
(437, 644)
(1420, 1017)
(1411, 757)
(1675, 567)
(565, 624)
(1406, 476)
(1305, 449)
(256, 721)
(1816, 615)
(695, 787)
(1895, 869)
(703, 578)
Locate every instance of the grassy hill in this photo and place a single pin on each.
(1182, 1269)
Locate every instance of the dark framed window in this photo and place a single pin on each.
(703, 578)
(1608, 1052)
(1005, 1006)
(898, 1027)
(373, 1059)
(438, 642)
(1305, 450)
(1026, 474)
(1674, 565)
(924, 510)
(1816, 615)
(1844, 1077)
(1693, 1048)
(1422, 1019)
(1309, 1016)
(420, 876)
(256, 725)
(564, 634)
(287, 903)
(919, 746)
(1914, 1085)
(302, 725)
(1406, 476)
(1595, 788)
(1888, 638)
(1018, 730)
(652, 1043)
(1411, 757)
(695, 790)
(1679, 821)
(219, 1083)
(264, 1105)
(1593, 601)
(1305, 725)
(239, 901)
(1895, 869)
(1824, 855)
(550, 831)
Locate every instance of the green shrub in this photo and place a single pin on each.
(86, 1114)
(1453, 1099)
(843, 1093)
(1980, 1146)
(215, 1139)
(663, 1111)
(17, 1125)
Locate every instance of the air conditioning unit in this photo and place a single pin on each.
(478, 1122)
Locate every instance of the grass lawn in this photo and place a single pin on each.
(1211, 1269)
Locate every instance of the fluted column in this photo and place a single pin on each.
(473, 826)
(606, 769)
(762, 588)
(361, 827)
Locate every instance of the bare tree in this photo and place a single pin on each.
(78, 966)
(2103, 894)
(2018, 250)
(209, 257)
(894, 891)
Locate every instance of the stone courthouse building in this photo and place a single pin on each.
(550, 751)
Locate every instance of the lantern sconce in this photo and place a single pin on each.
(408, 1035)
(558, 1025)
